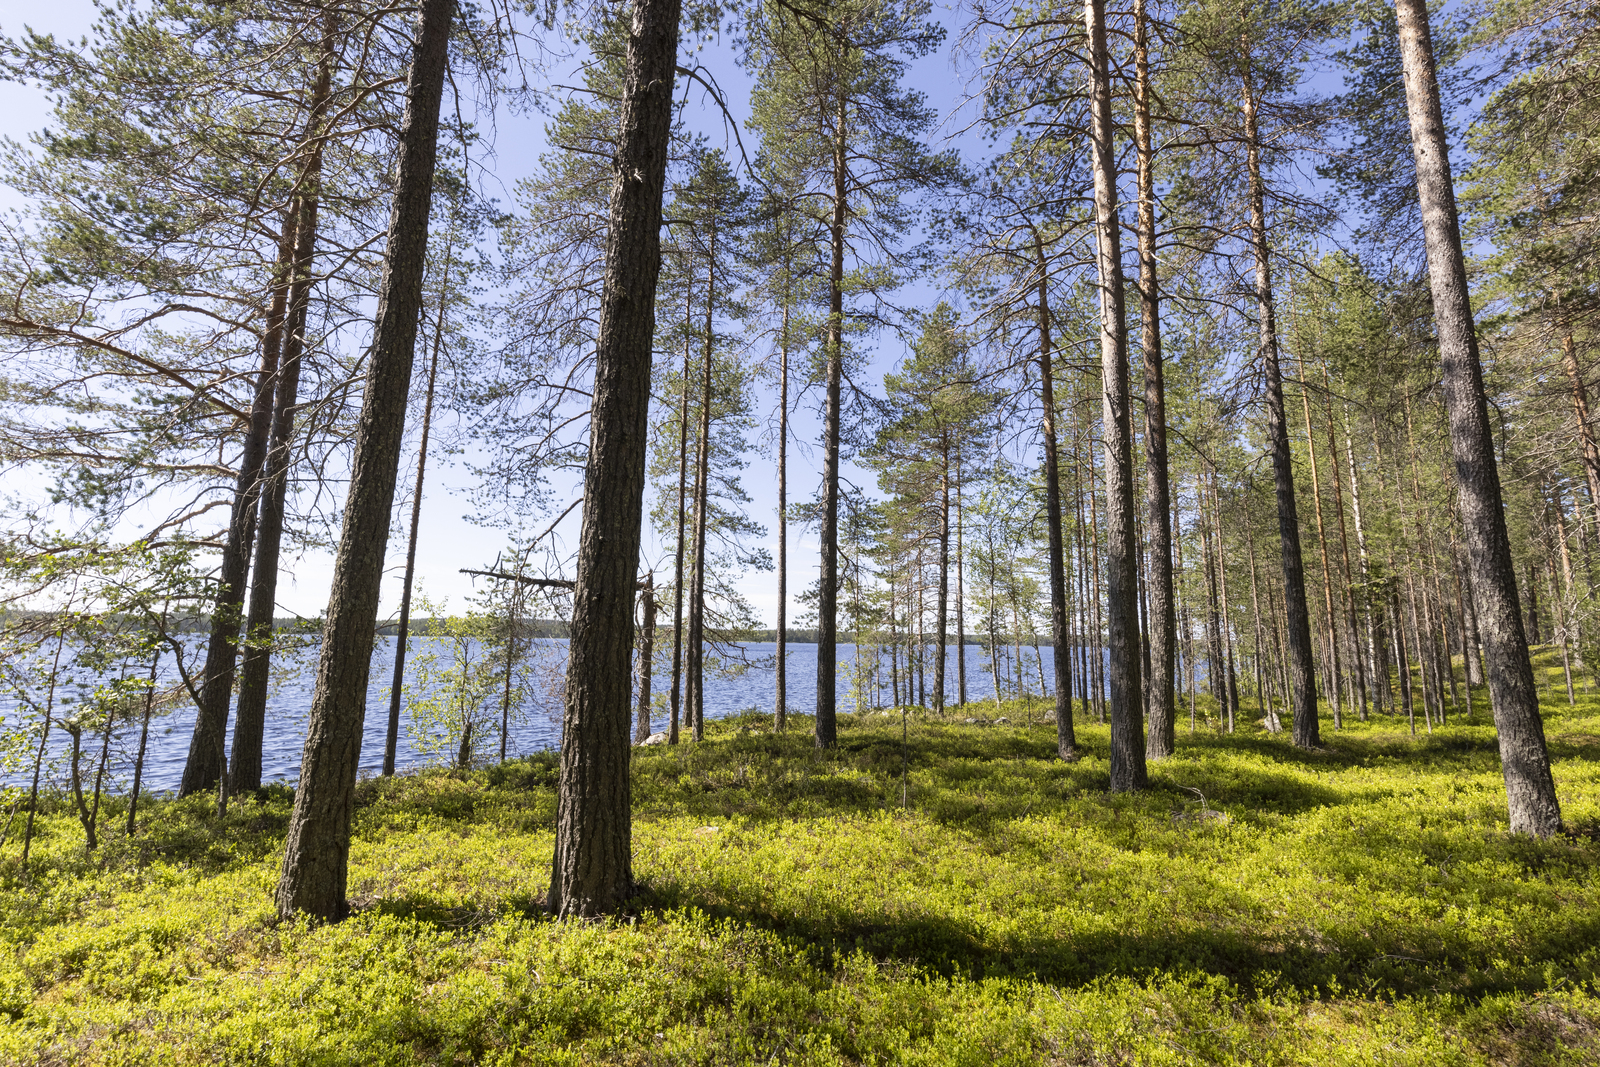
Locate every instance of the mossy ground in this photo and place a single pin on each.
(1359, 905)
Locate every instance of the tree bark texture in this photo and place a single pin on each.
(591, 873)
(317, 853)
(244, 771)
(1127, 696)
(1525, 761)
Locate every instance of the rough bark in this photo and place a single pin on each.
(317, 853)
(1525, 761)
(1127, 698)
(591, 873)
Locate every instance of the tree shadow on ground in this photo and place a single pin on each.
(1256, 964)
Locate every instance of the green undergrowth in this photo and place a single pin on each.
(1362, 904)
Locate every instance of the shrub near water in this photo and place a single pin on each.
(1359, 905)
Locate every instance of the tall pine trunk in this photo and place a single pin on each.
(961, 595)
(1335, 679)
(1127, 696)
(827, 728)
(1161, 739)
(592, 871)
(677, 566)
(1060, 643)
(1525, 761)
(695, 652)
(780, 714)
(1580, 415)
(1358, 686)
(317, 853)
(1302, 671)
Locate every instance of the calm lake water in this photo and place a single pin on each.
(747, 681)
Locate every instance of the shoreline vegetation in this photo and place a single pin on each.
(956, 897)
(422, 626)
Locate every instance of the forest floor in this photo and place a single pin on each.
(1360, 904)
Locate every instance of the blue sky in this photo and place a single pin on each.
(447, 540)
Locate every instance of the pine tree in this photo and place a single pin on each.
(836, 123)
(939, 411)
(1530, 790)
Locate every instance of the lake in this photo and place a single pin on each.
(748, 683)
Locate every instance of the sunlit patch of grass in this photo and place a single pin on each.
(961, 897)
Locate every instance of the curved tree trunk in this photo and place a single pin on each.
(592, 871)
(1524, 759)
(317, 853)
